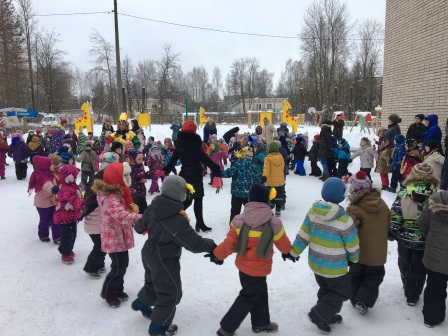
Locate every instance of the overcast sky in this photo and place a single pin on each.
(144, 40)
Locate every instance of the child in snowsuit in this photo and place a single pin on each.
(371, 216)
(404, 228)
(433, 223)
(244, 174)
(274, 175)
(396, 159)
(154, 163)
(138, 178)
(88, 159)
(382, 164)
(300, 152)
(169, 231)
(19, 152)
(68, 211)
(217, 156)
(4, 147)
(251, 236)
(411, 158)
(42, 182)
(260, 155)
(118, 214)
(312, 156)
(343, 157)
(94, 266)
(167, 153)
(35, 149)
(331, 235)
(367, 156)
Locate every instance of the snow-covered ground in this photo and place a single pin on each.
(42, 296)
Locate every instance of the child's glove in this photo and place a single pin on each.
(264, 179)
(132, 208)
(160, 173)
(290, 257)
(55, 190)
(213, 259)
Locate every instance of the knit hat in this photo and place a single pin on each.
(118, 174)
(395, 118)
(422, 169)
(66, 157)
(115, 146)
(342, 141)
(317, 137)
(38, 132)
(110, 157)
(88, 144)
(68, 173)
(189, 127)
(247, 153)
(333, 190)
(399, 138)
(359, 182)
(273, 147)
(174, 187)
(259, 193)
(420, 116)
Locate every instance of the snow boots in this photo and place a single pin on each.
(158, 330)
(138, 305)
(115, 301)
(361, 307)
(270, 328)
(324, 327)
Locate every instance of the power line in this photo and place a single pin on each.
(209, 29)
(70, 14)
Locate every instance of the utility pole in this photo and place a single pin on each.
(118, 62)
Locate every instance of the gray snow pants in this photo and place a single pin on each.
(163, 286)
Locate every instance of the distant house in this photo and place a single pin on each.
(258, 104)
(170, 106)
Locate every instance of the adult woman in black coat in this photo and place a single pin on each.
(230, 133)
(325, 148)
(189, 151)
(393, 129)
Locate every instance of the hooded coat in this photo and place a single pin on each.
(169, 230)
(209, 129)
(391, 132)
(273, 169)
(230, 133)
(433, 131)
(18, 150)
(406, 231)
(189, 151)
(332, 238)
(433, 223)
(367, 156)
(325, 144)
(382, 164)
(371, 216)
(69, 197)
(116, 221)
(256, 215)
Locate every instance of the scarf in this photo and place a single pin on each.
(265, 242)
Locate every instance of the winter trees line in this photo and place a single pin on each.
(335, 51)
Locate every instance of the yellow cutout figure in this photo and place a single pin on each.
(86, 120)
(202, 118)
(287, 118)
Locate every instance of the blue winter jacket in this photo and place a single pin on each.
(344, 152)
(398, 155)
(433, 131)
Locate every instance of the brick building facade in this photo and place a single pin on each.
(416, 60)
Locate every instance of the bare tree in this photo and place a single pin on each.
(324, 34)
(237, 79)
(103, 53)
(264, 84)
(28, 20)
(128, 76)
(290, 82)
(146, 76)
(198, 81)
(167, 67)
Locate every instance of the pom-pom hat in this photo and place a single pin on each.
(359, 182)
(422, 169)
(259, 193)
(189, 127)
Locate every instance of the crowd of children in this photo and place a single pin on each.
(348, 247)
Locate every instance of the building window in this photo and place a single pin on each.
(258, 107)
(269, 106)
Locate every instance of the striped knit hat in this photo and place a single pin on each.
(422, 169)
(359, 182)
